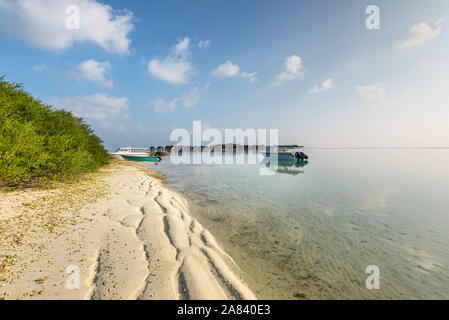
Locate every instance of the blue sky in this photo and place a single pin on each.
(135, 70)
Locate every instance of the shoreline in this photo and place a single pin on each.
(127, 235)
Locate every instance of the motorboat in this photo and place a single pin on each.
(286, 152)
(135, 154)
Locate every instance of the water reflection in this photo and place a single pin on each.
(288, 166)
(313, 235)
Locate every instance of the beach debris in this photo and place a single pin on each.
(39, 280)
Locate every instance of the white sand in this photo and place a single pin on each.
(130, 237)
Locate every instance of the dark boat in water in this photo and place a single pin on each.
(286, 152)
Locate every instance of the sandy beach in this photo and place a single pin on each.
(126, 235)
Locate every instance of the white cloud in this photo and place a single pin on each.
(293, 68)
(375, 93)
(420, 34)
(204, 43)
(182, 46)
(326, 85)
(41, 67)
(170, 70)
(99, 108)
(229, 70)
(191, 99)
(188, 101)
(226, 70)
(174, 68)
(250, 76)
(43, 24)
(162, 106)
(90, 70)
(95, 71)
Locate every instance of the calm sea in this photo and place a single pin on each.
(309, 231)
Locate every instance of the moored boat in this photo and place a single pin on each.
(142, 158)
(286, 152)
(136, 154)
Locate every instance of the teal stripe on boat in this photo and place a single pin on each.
(142, 159)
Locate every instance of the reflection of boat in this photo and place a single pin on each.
(289, 166)
(286, 152)
(136, 154)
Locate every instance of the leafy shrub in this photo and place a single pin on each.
(39, 144)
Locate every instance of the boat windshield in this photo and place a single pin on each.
(284, 148)
(132, 150)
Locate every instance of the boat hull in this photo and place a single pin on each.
(281, 155)
(142, 159)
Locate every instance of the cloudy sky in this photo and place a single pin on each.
(136, 70)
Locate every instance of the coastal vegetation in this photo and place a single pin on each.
(39, 144)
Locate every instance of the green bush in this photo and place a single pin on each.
(39, 144)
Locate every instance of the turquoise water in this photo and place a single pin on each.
(309, 231)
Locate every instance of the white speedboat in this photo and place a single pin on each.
(135, 154)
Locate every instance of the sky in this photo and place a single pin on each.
(136, 70)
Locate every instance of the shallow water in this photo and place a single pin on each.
(310, 233)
